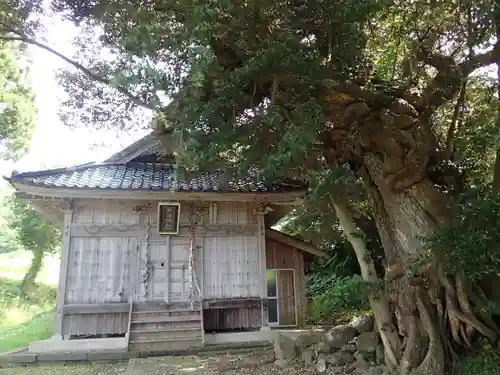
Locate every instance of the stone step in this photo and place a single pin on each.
(157, 336)
(161, 346)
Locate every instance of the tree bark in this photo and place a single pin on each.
(433, 311)
(378, 299)
(496, 168)
(32, 273)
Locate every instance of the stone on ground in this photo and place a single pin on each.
(308, 339)
(321, 366)
(364, 323)
(367, 342)
(284, 347)
(339, 336)
(339, 358)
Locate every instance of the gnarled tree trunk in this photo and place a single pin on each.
(434, 312)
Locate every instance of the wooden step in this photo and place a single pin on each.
(167, 319)
(162, 306)
(167, 326)
(156, 336)
(166, 314)
(165, 330)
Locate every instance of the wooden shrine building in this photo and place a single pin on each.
(154, 262)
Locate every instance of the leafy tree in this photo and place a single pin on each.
(374, 91)
(35, 234)
(17, 106)
(8, 236)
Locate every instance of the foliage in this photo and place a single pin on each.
(468, 244)
(301, 89)
(344, 297)
(8, 236)
(486, 363)
(324, 273)
(34, 233)
(17, 101)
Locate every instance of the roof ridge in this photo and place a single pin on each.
(42, 172)
(79, 167)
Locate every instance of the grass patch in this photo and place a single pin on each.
(39, 327)
(23, 320)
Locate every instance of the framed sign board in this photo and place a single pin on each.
(168, 218)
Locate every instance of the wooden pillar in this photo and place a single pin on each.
(63, 270)
(261, 247)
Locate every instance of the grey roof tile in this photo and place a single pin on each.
(144, 176)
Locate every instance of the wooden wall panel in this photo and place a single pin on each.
(95, 324)
(286, 298)
(282, 256)
(217, 320)
(99, 270)
(231, 267)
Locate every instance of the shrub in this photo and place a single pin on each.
(487, 363)
(468, 244)
(325, 272)
(344, 297)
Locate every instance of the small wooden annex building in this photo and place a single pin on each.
(152, 262)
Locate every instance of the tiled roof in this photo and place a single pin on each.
(143, 176)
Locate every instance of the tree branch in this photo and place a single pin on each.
(122, 90)
(457, 113)
(442, 87)
(478, 61)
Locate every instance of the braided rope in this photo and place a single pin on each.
(147, 273)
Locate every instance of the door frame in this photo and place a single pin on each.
(276, 271)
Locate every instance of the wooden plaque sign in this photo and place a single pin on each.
(168, 218)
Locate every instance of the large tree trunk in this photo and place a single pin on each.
(434, 312)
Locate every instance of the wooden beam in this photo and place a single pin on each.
(137, 230)
(101, 308)
(237, 303)
(276, 198)
(63, 273)
(293, 242)
(261, 246)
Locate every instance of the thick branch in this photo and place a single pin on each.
(478, 61)
(443, 87)
(450, 139)
(122, 90)
(379, 303)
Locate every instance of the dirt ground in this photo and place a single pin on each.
(254, 362)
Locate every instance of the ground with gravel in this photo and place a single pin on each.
(215, 363)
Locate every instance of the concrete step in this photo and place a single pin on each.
(161, 346)
(156, 336)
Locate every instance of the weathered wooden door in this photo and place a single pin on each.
(163, 270)
(281, 298)
(153, 271)
(286, 298)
